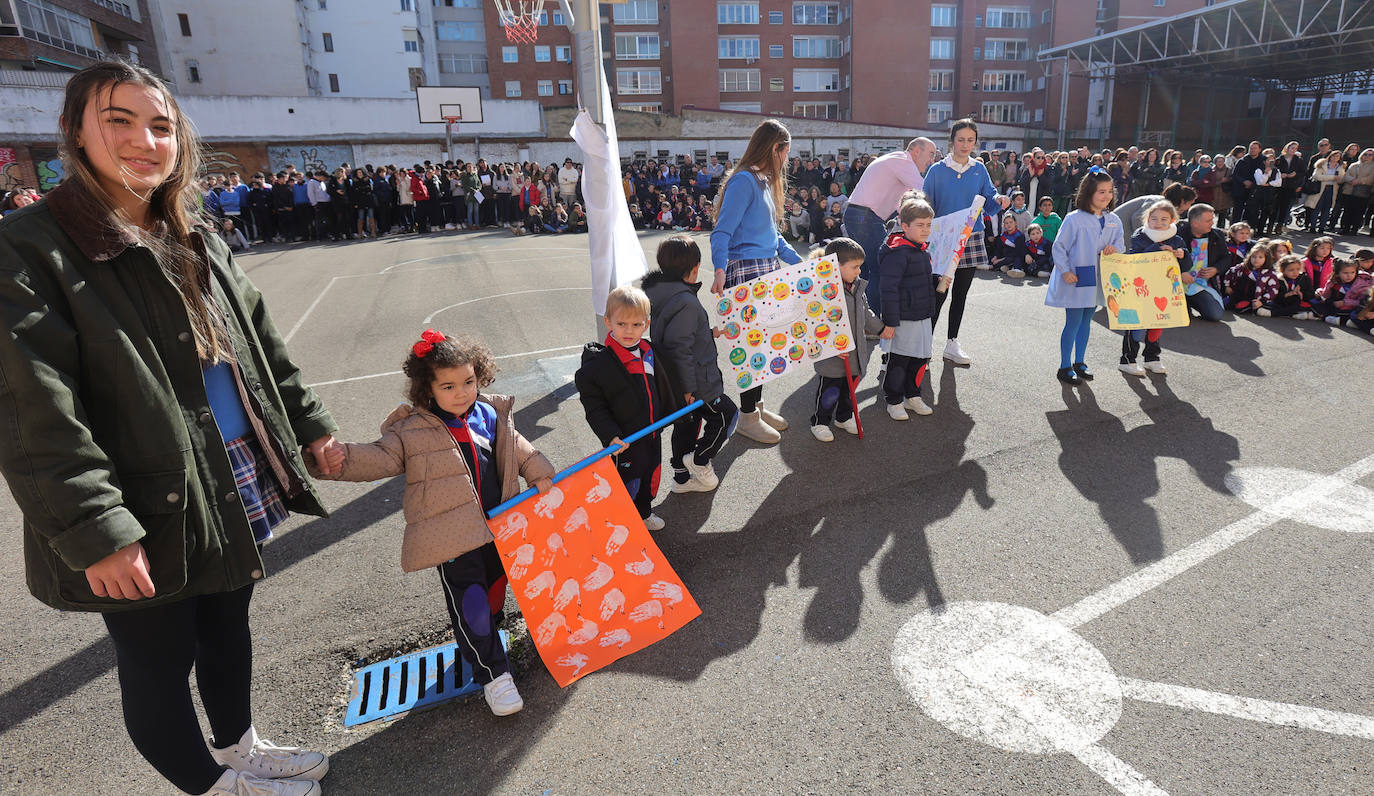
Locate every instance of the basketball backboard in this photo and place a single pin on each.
(436, 102)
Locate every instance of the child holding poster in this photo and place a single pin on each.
(1160, 234)
(623, 389)
(908, 292)
(463, 457)
(1088, 233)
(832, 388)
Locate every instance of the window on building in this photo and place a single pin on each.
(512, 88)
(737, 13)
(459, 3)
(1009, 16)
(817, 47)
(565, 87)
(815, 80)
(739, 80)
(642, 107)
(816, 110)
(323, 5)
(1302, 109)
(182, 20)
(639, 81)
(635, 12)
(738, 47)
(193, 71)
(777, 84)
(941, 49)
(746, 107)
(1003, 112)
(977, 53)
(448, 30)
(942, 16)
(1045, 17)
(1001, 80)
(774, 17)
(937, 112)
(775, 51)
(406, 5)
(1159, 3)
(542, 54)
(544, 88)
(815, 13)
(942, 80)
(462, 64)
(328, 42)
(562, 54)
(1006, 50)
(510, 54)
(412, 46)
(636, 46)
(1040, 114)
(1343, 109)
(333, 83)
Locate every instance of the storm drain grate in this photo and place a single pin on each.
(416, 680)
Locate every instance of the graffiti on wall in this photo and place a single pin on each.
(217, 161)
(309, 157)
(10, 176)
(48, 166)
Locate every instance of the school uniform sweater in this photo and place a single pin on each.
(951, 189)
(747, 227)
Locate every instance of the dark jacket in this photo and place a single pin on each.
(109, 437)
(1302, 284)
(360, 193)
(1218, 253)
(862, 322)
(905, 279)
(283, 197)
(1140, 243)
(617, 402)
(681, 332)
(1011, 247)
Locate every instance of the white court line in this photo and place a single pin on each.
(399, 372)
(495, 261)
(301, 321)
(430, 317)
(1164, 570)
(1280, 713)
(1117, 772)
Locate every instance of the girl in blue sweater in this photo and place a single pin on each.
(1088, 232)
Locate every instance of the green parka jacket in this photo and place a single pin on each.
(106, 434)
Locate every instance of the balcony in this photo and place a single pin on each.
(117, 7)
(61, 44)
(28, 78)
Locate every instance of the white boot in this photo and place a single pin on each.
(773, 419)
(752, 426)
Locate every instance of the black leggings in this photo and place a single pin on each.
(963, 277)
(155, 649)
(749, 399)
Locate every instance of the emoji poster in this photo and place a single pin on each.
(785, 319)
(590, 581)
(1143, 291)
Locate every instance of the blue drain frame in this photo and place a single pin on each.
(444, 673)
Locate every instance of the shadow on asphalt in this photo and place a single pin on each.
(57, 682)
(1217, 342)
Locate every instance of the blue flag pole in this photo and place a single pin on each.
(595, 457)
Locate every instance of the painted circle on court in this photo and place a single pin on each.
(778, 341)
(804, 285)
(795, 352)
(724, 306)
(799, 330)
(760, 290)
(742, 293)
(757, 361)
(814, 309)
(822, 331)
(744, 380)
(834, 314)
(829, 291)
(731, 330)
(737, 356)
(1007, 676)
(778, 365)
(748, 313)
(1345, 507)
(754, 337)
(781, 291)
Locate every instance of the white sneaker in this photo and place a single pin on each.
(896, 412)
(751, 425)
(449, 226)
(773, 419)
(264, 759)
(1264, 312)
(1043, 274)
(822, 433)
(1304, 316)
(1004, 269)
(233, 783)
(653, 522)
(502, 696)
(1334, 320)
(956, 354)
(690, 485)
(703, 474)
(984, 266)
(849, 425)
(1155, 367)
(915, 404)
(1016, 273)
(1131, 369)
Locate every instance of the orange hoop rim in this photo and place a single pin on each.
(523, 25)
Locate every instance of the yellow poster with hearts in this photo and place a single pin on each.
(1143, 291)
(590, 581)
(787, 318)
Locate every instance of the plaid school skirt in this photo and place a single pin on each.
(737, 272)
(258, 489)
(975, 252)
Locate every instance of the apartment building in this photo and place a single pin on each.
(55, 36)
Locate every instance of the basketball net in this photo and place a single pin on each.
(521, 26)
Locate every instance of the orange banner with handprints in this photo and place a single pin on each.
(590, 581)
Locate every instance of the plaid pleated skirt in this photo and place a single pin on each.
(258, 489)
(737, 272)
(975, 252)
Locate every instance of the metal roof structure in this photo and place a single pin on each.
(1295, 44)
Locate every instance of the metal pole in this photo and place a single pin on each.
(1063, 104)
(587, 46)
(448, 140)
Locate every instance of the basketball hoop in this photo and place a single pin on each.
(452, 119)
(521, 26)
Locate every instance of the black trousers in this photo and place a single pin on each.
(155, 649)
(904, 376)
(1130, 345)
(701, 434)
(475, 591)
(957, 296)
(639, 470)
(749, 399)
(832, 401)
(324, 221)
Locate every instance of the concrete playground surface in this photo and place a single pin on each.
(1140, 586)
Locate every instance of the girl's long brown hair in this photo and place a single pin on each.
(762, 153)
(174, 207)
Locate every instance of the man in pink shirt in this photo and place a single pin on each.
(876, 197)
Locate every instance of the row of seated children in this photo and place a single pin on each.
(554, 220)
(1019, 244)
(1269, 280)
(680, 215)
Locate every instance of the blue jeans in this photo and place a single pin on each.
(866, 228)
(1206, 306)
(473, 209)
(1320, 219)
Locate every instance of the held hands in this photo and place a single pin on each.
(122, 575)
(543, 485)
(888, 332)
(945, 282)
(328, 453)
(718, 283)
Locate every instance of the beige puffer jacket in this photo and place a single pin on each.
(444, 518)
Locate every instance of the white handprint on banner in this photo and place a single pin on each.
(671, 592)
(554, 544)
(583, 634)
(544, 581)
(599, 491)
(566, 594)
(644, 566)
(649, 609)
(612, 602)
(515, 523)
(598, 577)
(522, 557)
(544, 506)
(577, 521)
(549, 628)
(615, 638)
(574, 660)
(619, 533)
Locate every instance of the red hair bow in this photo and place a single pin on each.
(427, 340)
